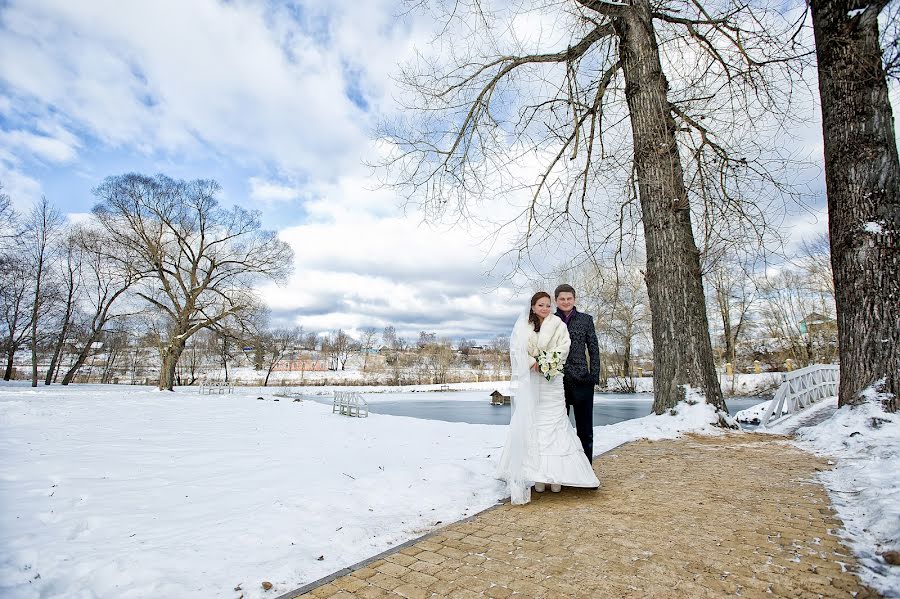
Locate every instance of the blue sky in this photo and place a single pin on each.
(277, 102)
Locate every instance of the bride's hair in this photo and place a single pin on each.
(532, 317)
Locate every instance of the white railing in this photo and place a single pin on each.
(350, 404)
(802, 388)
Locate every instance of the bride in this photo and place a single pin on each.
(541, 446)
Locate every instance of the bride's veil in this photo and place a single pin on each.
(521, 424)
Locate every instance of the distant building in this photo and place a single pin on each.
(498, 399)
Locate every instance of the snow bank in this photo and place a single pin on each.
(864, 486)
(697, 418)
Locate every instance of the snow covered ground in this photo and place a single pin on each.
(864, 485)
(113, 491)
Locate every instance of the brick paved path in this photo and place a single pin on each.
(736, 515)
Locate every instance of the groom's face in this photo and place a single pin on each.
(565, 301)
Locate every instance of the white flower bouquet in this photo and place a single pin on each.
(549, 364)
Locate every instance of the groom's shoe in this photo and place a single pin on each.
(556, 488)
(539, 487)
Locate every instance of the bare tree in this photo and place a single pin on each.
(862, 177)
(16, 308)
(389, 336)
(366, 343)
(107, 279)
(8, 220)
(197, 261)
(70, 279)
(689, 77)
(277, 345)
(341, 344)
(734, 292)
(42, 228)
(788, 302)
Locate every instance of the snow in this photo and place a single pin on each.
(856, 12)
(116, 491)
(873, 227)
(864, 485)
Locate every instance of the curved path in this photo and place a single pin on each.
(731, 515)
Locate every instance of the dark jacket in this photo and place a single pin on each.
(583, 363)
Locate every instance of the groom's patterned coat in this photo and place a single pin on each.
(584, 346)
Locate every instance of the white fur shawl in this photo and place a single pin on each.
(553, 336)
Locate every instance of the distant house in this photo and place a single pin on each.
(816, 322)
(498, 399)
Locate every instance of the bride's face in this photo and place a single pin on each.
(542, 307)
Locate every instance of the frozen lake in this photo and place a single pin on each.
(473, 407)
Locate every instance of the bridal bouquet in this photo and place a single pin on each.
(549, 364)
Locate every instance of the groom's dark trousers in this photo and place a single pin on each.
(581, 373)
(580, 396)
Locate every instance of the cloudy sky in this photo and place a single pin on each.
(277, 101)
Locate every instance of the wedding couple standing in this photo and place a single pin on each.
(541, 447)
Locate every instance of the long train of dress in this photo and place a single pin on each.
(555, 453)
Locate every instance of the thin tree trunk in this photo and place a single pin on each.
(57, 348)
(80, 359)
(10, 354)
(682, 352)
(862, 176)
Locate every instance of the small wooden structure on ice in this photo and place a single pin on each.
(498, 399)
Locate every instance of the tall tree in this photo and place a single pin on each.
(367, 338)
(42, 229)
(70, 280)
(107, 279)
(862, 177)
(277, 345)
(15, 307)
(602, 111)
(197, 261)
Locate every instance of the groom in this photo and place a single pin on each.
(582, 369)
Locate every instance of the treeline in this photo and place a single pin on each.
(159, 261)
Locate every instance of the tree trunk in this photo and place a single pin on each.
(80, 359)
(862, 177)
(57, 348)
(682, 352)
(10, 354)
(167, 371)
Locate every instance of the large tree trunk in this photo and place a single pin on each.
(170, 358)
(862, 175)
(682, 352)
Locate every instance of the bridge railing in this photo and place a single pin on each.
(802, 388)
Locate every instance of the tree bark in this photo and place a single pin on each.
(169, 360)
(10, 354)
(862, 177)
(682, 352)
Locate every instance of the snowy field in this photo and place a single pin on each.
(111, 491)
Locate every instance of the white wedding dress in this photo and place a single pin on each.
(541, 445)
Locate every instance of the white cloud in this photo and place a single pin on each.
(171, 76)
(268, 192)
(43, 147)
(22, 190)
